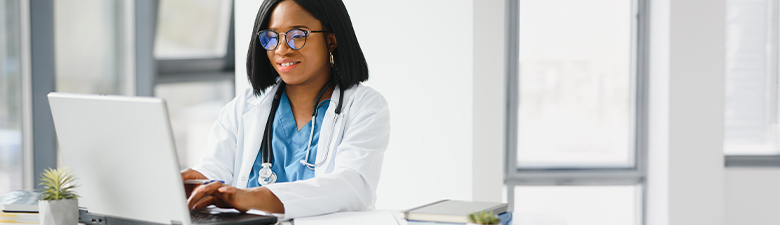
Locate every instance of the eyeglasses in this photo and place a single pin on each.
(296, 38)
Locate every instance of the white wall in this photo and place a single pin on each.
(687, 182)
(752, 196)
(686, 173)
(431, 86)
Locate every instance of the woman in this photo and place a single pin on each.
(322, 151)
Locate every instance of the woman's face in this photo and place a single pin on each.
(308, 64)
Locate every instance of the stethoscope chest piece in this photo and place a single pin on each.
(266, 176)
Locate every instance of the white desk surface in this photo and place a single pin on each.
(381, 217)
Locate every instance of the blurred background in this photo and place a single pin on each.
(577, 110)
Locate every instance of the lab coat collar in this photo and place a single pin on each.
(324, 143)
(258, 116)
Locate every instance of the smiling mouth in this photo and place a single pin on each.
(287, 66)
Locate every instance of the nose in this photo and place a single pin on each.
(283, 48)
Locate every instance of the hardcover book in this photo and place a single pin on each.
(452, 211)
(20, 201)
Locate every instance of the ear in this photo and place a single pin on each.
(332, 44)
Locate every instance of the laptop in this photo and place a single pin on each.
(122, 152)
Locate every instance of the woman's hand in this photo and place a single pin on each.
(190, 174)
(226, 196)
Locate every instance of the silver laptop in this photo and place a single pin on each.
(121, 149)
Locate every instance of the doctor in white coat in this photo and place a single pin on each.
(307, 138)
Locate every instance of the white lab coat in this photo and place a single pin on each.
(346, 181)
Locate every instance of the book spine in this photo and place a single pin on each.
(406, 213)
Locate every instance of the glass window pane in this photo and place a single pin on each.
(580, 205)
(192, 29)
(575, 103)
(88, 46)
(751, 80)
(11, 155)
(193, 108)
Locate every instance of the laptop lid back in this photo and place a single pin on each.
(122, 152)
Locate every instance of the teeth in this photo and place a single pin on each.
(287, 64)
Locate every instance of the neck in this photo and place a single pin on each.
(306, 94)
(303, 96)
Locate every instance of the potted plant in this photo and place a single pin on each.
(483, 218)
(58, 204)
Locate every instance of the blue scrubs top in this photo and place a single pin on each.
(289, 145)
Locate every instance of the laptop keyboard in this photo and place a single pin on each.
(224, 216)
(205, 217)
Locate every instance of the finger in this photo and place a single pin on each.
(231, 196)
(189, 174)
(205, 202)
(227, 190)
(221, 203)
(201, 192)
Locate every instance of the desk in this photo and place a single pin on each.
(376, 216)
(518, 218)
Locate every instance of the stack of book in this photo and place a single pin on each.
(20, 207)
(451, 212)
(19, 218)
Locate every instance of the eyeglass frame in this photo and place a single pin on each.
(306, 32)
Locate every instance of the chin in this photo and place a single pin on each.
(292, 79)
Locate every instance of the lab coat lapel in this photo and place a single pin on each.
(254, 126)
(325, 132)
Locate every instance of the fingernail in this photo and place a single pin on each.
(222, 189)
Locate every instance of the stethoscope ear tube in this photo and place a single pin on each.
(268, 134)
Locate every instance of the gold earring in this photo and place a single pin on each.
(331, 59)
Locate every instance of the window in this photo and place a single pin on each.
(192, 29)
(193, 107)
(193, 48)
(11, 152)
(88, 47)
(102, 52)
(576, 114)
(751, 117)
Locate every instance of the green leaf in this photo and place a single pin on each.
(483, 217)
(58, 184)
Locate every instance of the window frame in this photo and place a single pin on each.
(182, 70)
(635, 175)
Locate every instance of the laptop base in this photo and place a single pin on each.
(88, 218)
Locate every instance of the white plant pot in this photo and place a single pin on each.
(59, 212)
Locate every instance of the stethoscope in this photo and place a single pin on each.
(266, 175)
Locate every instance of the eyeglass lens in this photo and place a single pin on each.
(296, 39)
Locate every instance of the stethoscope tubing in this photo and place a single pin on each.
(327, 148)
(269, 178)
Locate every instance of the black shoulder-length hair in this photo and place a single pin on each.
(349, 66)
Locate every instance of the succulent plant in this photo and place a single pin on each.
(483, 217)
(58, 184)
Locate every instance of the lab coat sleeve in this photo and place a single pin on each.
(352, 184)
(219, 153)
